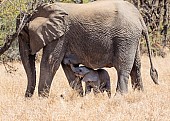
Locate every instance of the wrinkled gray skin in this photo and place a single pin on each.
(106, 36)
(98, 79)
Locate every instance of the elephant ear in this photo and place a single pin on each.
(46, 25)
(91, 77)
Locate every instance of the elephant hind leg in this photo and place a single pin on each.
(124, 67)
(135, 74)
(122, 84)
(125, 55)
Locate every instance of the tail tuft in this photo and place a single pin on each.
(154, 75)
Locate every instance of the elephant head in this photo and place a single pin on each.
(44, 28)
(80, 71)
(45, 24)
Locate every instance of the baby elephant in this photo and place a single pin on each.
(99, 79)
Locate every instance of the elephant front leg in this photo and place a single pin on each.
(74, 82)
(29, 66)
(135, 74)
(52, 56)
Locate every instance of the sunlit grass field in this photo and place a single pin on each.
(151, 105)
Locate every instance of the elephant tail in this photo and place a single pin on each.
(153, 71)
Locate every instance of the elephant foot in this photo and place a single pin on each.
(138, 86)
(87, 92)
(120, 95)
(120, 92)
(44, 92)
(80, 93)
(77, 85)
(28, 94)
(122, 84)
(78, 88)
(96, 91)
(108, 93)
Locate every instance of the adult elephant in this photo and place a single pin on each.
(100, 34)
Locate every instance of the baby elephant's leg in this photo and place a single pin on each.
(108, 88)
(102, 87)
(105, 81)
(96, 85)
(96, 90)
(87, 88)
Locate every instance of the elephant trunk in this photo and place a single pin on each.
(153, 71)
(72, 68)
(8, 41)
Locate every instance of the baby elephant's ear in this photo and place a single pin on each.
(91, 77)
(46, 25)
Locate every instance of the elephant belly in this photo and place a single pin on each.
(102, 61)
(94, 59)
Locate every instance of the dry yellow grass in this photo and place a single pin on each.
(151, 105)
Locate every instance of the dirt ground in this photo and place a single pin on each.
(151, 105)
